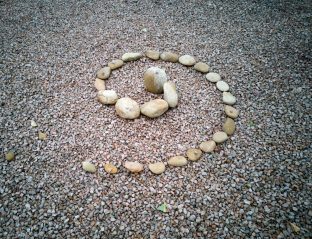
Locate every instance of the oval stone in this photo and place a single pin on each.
(134, 167)
(154, 55)
(88, 167)
(131, 56)
(154, 79)
(222, 86)
(170, 94)
(187, 60)
(229, 126)
(194, 154)
(219, 137)
(231, 111)
(127, 108)
(208, 146)
(177, 161)
(154, 108)
(157, 168)
(110, 168)
(201, 67)
(107, 97)
(103, 73)
(9, 156)
(213, 77)
(115, 64)
(99, 84)
(169, 56)
(228, 98)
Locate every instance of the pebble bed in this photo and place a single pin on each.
(255, 185)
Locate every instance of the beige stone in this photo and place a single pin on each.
(154, 55)
(169, 56)
(131, 56)
(228, 98)
(229, 126)
(208, 146)
(99, 84)
(127, 108)
(115, 64)
(222, 85)
(219, 137)
(187, 60)
(42, 136)
(134, 167)
(213, 77)
(177, 161)
(103, 73)
(201, 67)
(193, 154)
(110, 168)
(9, 156)
(107, 97)
(170, 93)
(157, 168)
(231, 111)
(154, 108)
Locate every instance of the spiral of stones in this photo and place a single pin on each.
(192, 154)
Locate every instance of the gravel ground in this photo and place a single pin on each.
(254, 185)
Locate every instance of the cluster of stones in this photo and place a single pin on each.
(155, 81)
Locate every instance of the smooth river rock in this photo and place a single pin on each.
(88, 167)
(229, 126)
(208, 146)
(157, 168)
(9, 156)
(228, 98)
(134, 167)
(169, 56)
(219, 137)
(110, 168)
(193, 154)
(107, 97)
(99, 84)
(127, 108)
(177, 161)
(154, 108)
(154, 55)
(154, 79)
(201, 67)
(103, 73)
(231, 111)
(115, 64)
(187, 60)
(222, 85)
(131, 56)
(213, 77)
(170, 93)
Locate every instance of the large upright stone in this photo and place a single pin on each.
(154, 79)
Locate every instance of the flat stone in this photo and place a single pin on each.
(154, 108)
(99, 84)
(9, 156)
(157, 168)
(229, 126)
(208, 146)
(103, 73)
(187, 60)
(154, 55)
(201, 67)
(88, 167)
(33, 124)
(107, 97)
(231, 111)
(222, 86)
(170, 93)
(169, 56)
(115, 64)
(127, 108)
(134, 167)
(177, 161)
(228, 98)
(154, 79)
(219, 137)
(193, 154)
(42, 136)
(110, 168)
(131, 56)
(213, 77)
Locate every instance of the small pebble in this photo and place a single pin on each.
(42, 136)
(187, 60)
(131, 56)
(154, 55)
(107, 97)
(115, 64)
(229, 126)
(169, 56)
(110, 168)
(208, 146)
(193, 154)
(99, 84)
(222, 86)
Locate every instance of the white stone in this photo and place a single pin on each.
(107, 97)
(134, 167)
(131, 56)
(213, 77)
(154, 79)
(222, 86)
(219, 137)
(170, 94)
(127, 108)
(154, 108)
(228, 98)
(187, 60)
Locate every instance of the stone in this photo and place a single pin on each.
(115, 64)
(154, 79)
(157, 168)
(42, 136)
(9, 156)
(170, 94)
(294, 227)
(219, 137)
(131, 56)
(33, 124)
(99, 84)
(213, 77)
(88, 167)
(169, 56)
(187, 60)
(201, 67)
(177, 161)
(103, 73)
(154, 55)
(110, 168)
(154, 108)
(208, 146)
(229, 126)
(231, 111)
(228, 98)
(107, 97)
(134, 167)
(127, 108)
(193, 154)
(222, 86)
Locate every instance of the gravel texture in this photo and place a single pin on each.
(253, 186)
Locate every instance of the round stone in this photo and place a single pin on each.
(131, 56)
(170, 94)
(222, 86)
(213, 77)
(194, 154)
(154, 79)
(177, 161)
(134, 167)
(110, 168)
(127, 108)
(208, 146)
(9, 156)
(228, 98)
(42, 136)
(154, 55)
(187, 60)
(219, 137)
(154, 108)
(115, 64)
(99, 84)
(103, 73)
(201, 67)
(157, 168)
(229, 126)
(231, 111)
(88, 167)
(107, 97)
(169, 56)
